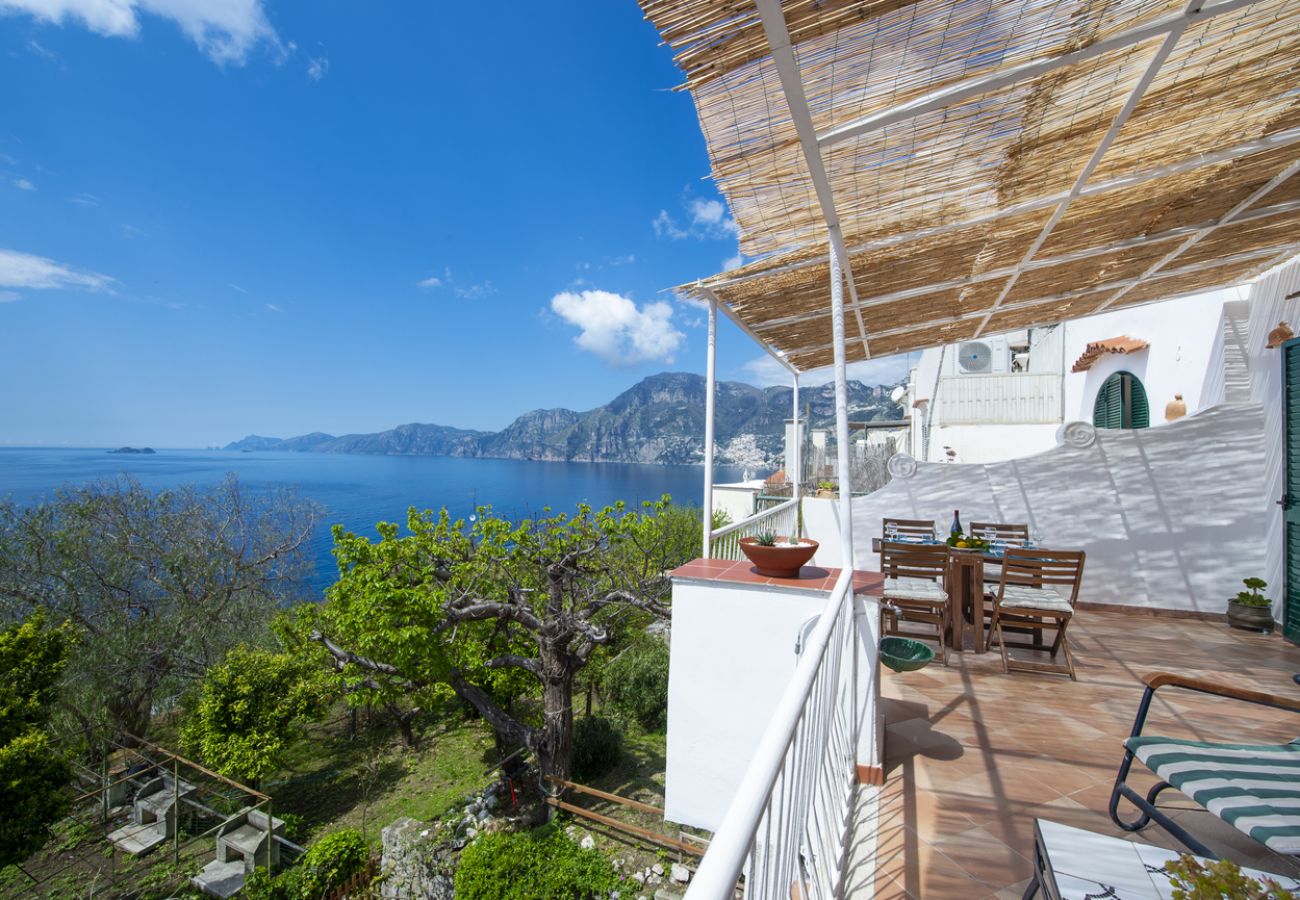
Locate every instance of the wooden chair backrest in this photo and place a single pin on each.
(912, 528)
(899, 560)
(1040, 567)
(1005, 530)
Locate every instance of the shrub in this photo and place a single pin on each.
(597, 746)
(332, 860)
(636, 683)
(542, 864)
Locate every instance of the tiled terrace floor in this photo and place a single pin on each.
(973, 756)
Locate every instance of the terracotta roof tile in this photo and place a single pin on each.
(1094, 350)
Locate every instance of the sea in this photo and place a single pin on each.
(358, 491)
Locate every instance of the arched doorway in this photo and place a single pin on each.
(1121, 403)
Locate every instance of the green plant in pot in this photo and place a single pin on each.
(778, 556)
(1250, 609)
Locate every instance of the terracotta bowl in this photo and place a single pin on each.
(782, 561)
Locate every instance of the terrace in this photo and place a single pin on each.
(907, 175)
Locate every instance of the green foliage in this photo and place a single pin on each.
(597, 746)
(1252, 596)
(32, 773)
(261, 884)
(505, 614)
(721, 519)
(248, 710)
(332, 860)
(765, 539)
(1194, 880)
(158, 584)
(636, 683)
(542, 864)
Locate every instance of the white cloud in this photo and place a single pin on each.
(226, 30)
(84, 199)
(432, 281)
(615, 330)
(37, 49)
(475, 291)
(24, 185)
(25, 270)
(764, 371)
(703, 219)
(733, 262)
(273, 308)
(316, 68)
(10, 296)
(235, 287)
(130, 232)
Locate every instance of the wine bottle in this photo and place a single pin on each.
(956, 524)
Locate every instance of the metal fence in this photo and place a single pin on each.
(781, 519)
(786, 831)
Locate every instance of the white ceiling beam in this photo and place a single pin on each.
(976, 87)
(727, 311)
(1228, 154)
(1117, 124)
(1042, 262)
(1227, 218)
(787, 69)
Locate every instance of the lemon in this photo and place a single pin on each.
(962, 544)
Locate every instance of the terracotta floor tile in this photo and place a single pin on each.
(973, 756)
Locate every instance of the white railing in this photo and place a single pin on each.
(1014, 398)
(786, 829)
(782, 519)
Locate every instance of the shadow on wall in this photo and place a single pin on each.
(1169, 517)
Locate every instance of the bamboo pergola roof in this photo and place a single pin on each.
(985, 166)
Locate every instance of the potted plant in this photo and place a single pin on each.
(826, 489)
(1192, 879)
(1251, 610)
(778, 557)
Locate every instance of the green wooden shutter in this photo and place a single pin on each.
(1121, 403)
(1139, 412)
(1108, 411)
(1291, 488)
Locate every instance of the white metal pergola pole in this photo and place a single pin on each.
(710, 384)
(841, 409)
(794, 465)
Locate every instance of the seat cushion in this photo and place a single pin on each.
(1020, 596)
(914, 589)
(1253, 787)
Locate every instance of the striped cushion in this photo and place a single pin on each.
(1253, 787)
(1020, 596)
(914, 589)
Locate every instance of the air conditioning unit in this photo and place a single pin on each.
(987, 357)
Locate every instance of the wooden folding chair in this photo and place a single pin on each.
(1012, 535)
(914, 529)
(914, 585)
(1037, 591)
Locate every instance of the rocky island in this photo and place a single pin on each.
(134, 450)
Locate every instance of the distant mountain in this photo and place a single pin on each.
(658, 420)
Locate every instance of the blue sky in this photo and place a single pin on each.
(222, 217)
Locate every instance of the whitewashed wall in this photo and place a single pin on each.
(1170, 517)
(1268, 306)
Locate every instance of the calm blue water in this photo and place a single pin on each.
(358, 491)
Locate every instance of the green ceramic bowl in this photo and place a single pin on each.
(904, 654)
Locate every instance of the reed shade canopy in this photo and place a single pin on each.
(989, 165)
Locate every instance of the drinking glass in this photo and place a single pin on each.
(891, 532)
(990, 535)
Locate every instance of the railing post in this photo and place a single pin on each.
(710, 376)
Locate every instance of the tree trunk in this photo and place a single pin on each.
(554, 740)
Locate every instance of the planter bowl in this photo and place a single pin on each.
(1250, 618)
(780, 561)
(904, 654)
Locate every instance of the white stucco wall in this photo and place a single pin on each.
(1170, 517)
(737, 500)
(1268, 306)
(991, 443)
(733, 652)
(1183, 337)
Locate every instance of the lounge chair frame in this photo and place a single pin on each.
(1147, 805)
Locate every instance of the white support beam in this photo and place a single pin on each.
(975, 87)
(787, 69)
(1246, 256)
(842, 413)
(1256, 145)
(712, 299)
(710, 381)
(1227, 219)
(1173, 35)
(1043, 262)
(794, 465)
